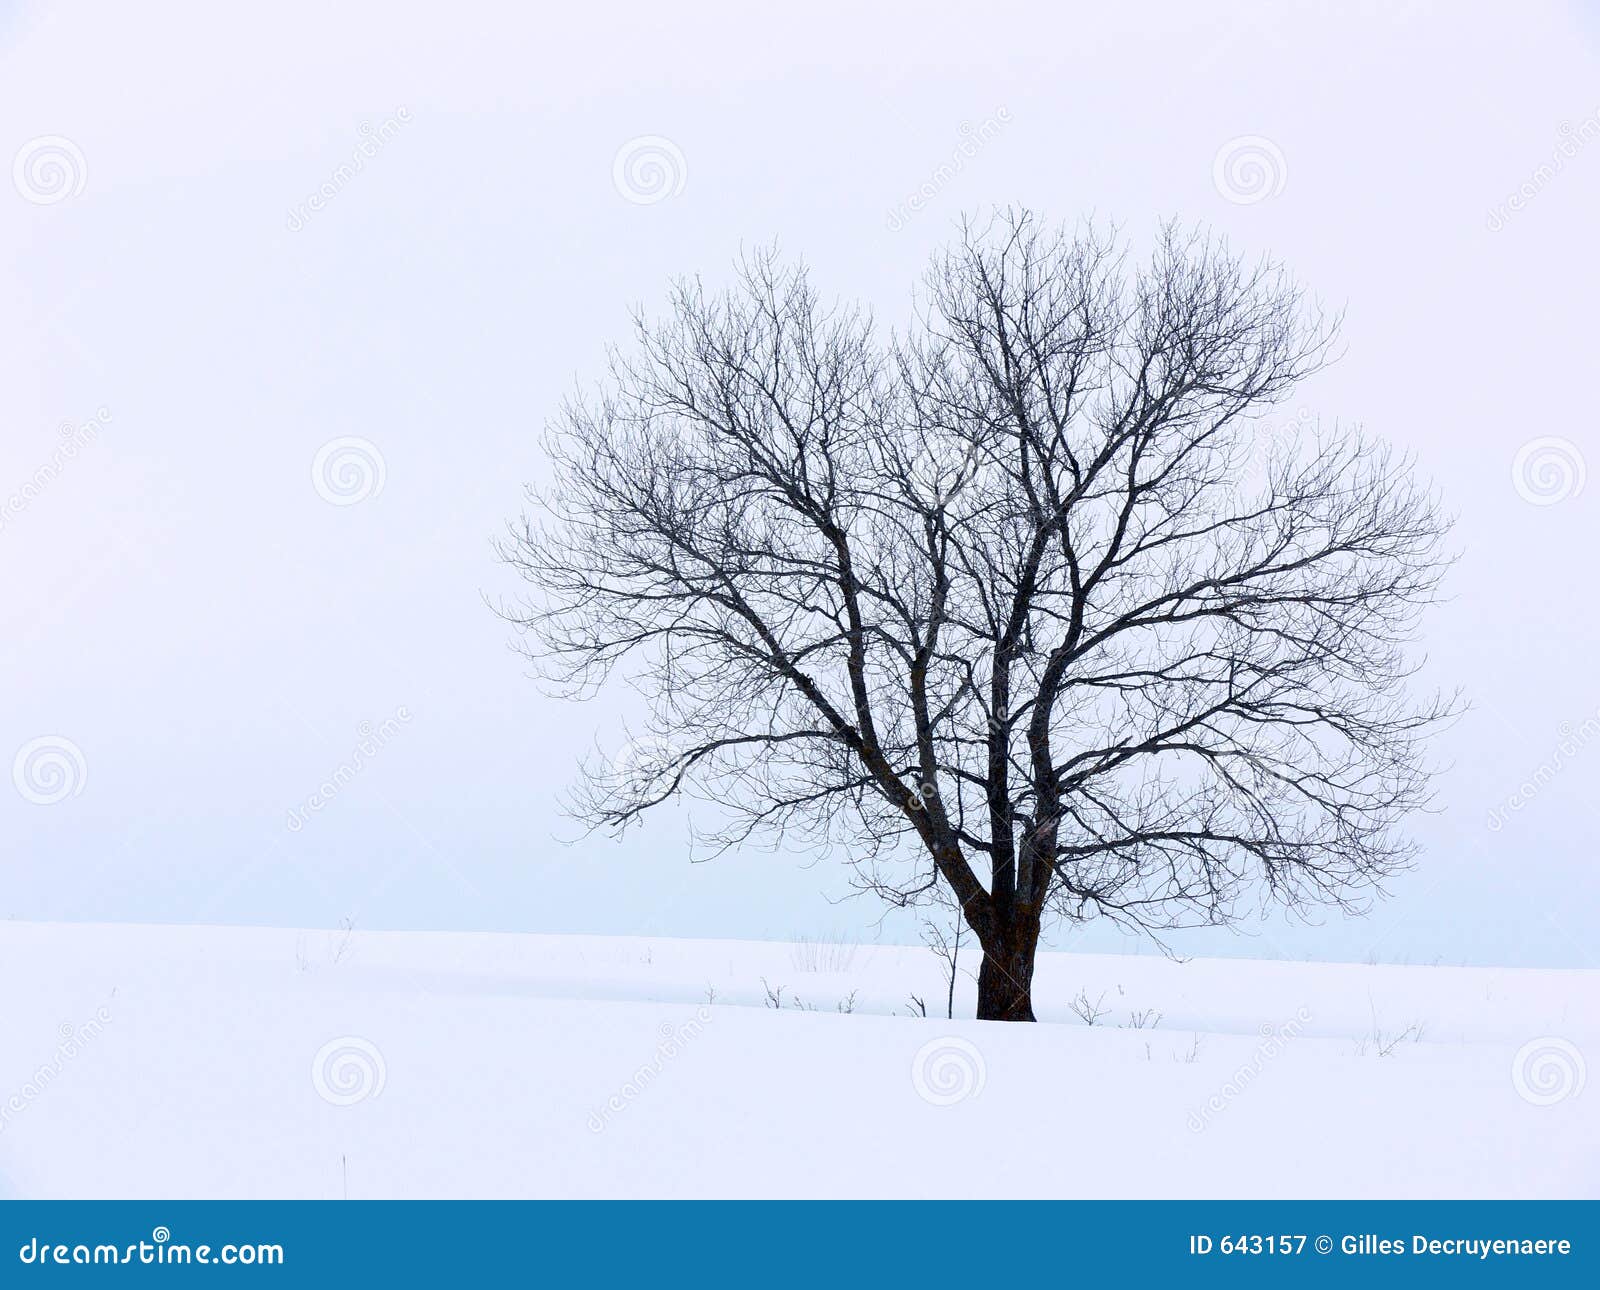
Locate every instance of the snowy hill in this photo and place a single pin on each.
(234, 1062)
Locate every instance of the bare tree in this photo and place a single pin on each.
(947, 945)
(1019, 603)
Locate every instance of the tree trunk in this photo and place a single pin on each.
(1005, 980)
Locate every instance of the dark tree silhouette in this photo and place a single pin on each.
(1022, 602)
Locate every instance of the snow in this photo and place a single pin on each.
(244, 1062)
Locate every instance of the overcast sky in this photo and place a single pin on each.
(205, 604)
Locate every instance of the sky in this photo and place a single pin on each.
(290, 291)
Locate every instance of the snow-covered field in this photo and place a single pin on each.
(233, 1062)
